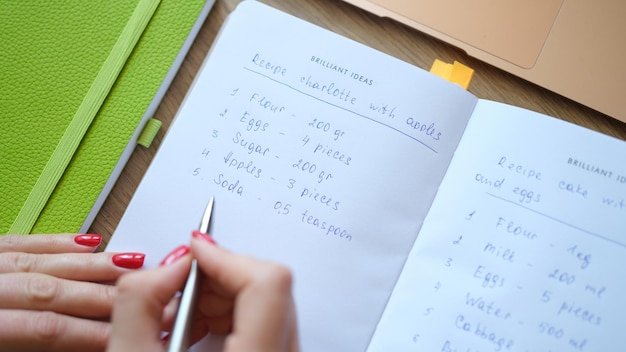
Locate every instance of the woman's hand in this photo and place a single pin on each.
(247, 299)
(53, 291)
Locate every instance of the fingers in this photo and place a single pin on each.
(46, 331)
(58, 243)
(214, 304)
(169, 313)
(228, 272)
(98, 267)
(138, 308)
(43, 292)
(264, 314)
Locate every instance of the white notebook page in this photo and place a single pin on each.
(524, 248)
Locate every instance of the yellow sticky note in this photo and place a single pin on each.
(455, 73)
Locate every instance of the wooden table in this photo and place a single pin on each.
(382, 34)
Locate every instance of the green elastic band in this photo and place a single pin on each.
(85, 114)
(149, 132)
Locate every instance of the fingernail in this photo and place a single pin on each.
(89, 240)
(165, 338)
(129, 260)
(203, 236)
(175, 255)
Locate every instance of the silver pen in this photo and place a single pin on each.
(180, 337)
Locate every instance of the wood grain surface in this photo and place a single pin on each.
(382, 34)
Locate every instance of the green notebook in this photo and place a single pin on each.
(79, 81)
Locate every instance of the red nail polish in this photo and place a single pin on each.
(175, 255)
(203, 236)
(89, 240)
(129, 260)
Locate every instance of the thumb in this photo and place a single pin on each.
(138, 308)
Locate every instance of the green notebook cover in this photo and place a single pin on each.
(77, 79)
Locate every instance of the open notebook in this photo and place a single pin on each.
(413, 215)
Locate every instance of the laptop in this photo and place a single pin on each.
(575, 48)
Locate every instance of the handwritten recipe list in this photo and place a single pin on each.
(521, 250)
(332, 161)
(296, 152)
